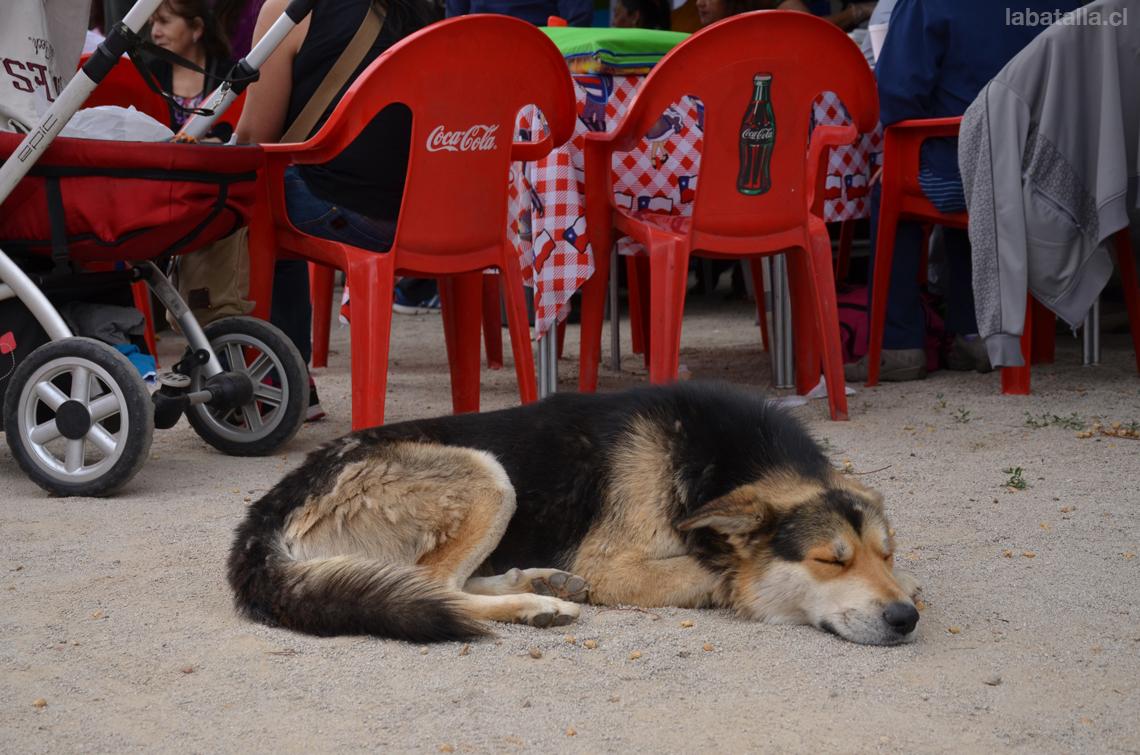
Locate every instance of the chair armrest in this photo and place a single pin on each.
(822, 138)
(926, 128)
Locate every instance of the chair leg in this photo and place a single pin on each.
(668, 276)
(1126, 261)
(1044, 347)
(1015, 380)
(594, 293)
(515, 298)
(843, 260)
(460, 296)
(822, 282)
(637, 270)
(756, 267)
(881, 285)
(320, 293)
(371, 279)
(141, 294)
(262, 254)
(808, 339)
(492, 322)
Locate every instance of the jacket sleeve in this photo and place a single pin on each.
(910, 62)
(990, 148)
(576, 12)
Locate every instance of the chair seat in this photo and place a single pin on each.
(633, 223)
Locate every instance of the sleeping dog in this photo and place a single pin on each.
(691, 495)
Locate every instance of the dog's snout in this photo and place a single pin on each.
(901, 617)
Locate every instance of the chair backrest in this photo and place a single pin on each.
(754, 173)
(465, 80)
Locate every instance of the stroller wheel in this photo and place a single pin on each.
(280, 389)
(78, 418)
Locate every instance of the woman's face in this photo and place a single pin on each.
(175, 33)
(711, 11)
(626, 19)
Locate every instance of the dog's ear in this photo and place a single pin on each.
(737, 513)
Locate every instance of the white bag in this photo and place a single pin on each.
(123, 124)
(40, 44)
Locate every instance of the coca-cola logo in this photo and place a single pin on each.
(477, 138)
(764, 134)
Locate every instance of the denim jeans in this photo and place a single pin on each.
(906, 322)
(291, 309)
(327, 220)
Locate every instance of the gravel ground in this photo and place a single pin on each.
(117, 632)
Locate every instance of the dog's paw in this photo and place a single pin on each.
(909, 583)
(550, 612)
(560, 584)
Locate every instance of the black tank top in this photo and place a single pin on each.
(368, 176)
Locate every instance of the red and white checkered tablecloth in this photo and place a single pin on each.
(547, 197)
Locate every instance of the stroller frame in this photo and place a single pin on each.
(212, 396)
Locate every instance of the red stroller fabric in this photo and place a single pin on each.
(129, 200)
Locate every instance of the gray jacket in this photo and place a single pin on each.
(1050, 155)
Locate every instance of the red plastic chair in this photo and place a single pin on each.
(464, 76)
(805, 56)
(902, 199)
(1037, 338)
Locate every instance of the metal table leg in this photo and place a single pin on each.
(783, 355)
(547, 356)
(1090, 335)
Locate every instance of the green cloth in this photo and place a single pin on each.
(610, 50)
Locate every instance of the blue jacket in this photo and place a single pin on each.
(939, 54)
(576, 12)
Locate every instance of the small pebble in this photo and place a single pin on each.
(1128, 556)
(1067, 509)
(590, 644)
(686, 624)
(423, 651)
(614, 699)
(993, 680)
(919, 605)
(954, 630)
(446, 748)
(570, 639)
(571, 732)
(465, 650)
(683, 653)
(708, 647)
(1007, 553)
(40, 703)
(187, 669)
(924, 696)
(535, 653)
(1029, 554)
(635, 655)
(97, 614)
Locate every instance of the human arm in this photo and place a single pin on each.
(910, 63)
(458, 7)
(848, 18)
(267, 100)
(576, 12)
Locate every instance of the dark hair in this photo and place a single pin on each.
(403, 17)
(654, 14)
(214, 39)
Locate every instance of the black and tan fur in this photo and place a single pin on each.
(692, 495)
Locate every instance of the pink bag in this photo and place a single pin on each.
(855, 326)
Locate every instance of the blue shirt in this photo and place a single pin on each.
(939, 54)
(576, 12)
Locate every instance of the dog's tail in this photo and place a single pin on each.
(344, 595)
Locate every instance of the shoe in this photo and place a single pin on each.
(404, 306)
(895, 366)
(315, 412)
(968, 353)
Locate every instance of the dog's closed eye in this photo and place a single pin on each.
(831, 562)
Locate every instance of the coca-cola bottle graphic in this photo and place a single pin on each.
(757, 139)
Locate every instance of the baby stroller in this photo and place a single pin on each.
(78, 416)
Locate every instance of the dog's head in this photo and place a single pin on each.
(809, 552)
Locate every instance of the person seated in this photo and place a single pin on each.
(937, 57)
(574, 12)
(355, 197)
(189, 29)
(641, 14)
(852, 14)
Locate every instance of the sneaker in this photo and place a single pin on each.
(968, 353)
(404, 306)
(895, 366)
(315, 412)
